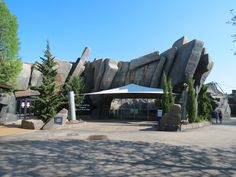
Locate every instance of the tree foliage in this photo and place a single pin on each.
(49, 99)
(191, 101)
(167, 99)
(10, 64)
(74, 84)
(232, 21)
(204, 104)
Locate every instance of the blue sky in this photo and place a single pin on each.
(126, 29)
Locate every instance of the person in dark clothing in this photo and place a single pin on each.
(215, 115)
(220, 117)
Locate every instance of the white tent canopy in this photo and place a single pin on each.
(128, 89)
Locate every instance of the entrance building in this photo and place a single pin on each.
(151, 98)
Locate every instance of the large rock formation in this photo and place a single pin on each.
(181, 60)
(63, 69)
(219, 100)
(24, 77)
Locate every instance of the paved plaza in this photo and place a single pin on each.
(132, 149)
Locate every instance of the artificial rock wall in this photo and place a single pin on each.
(182, 59)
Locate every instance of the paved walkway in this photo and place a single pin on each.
(133, 149)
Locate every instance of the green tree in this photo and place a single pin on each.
(10, 63)
(74, 84)
(191, 100)
(204, 104)
(49, 100)
(170, 92)
(167, 99)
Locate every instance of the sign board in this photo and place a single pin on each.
(159, 113)
(58, 120)
(84, 107)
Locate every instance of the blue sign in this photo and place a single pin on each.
(58, 120)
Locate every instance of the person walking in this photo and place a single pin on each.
(220, 116)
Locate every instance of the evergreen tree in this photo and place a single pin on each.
(74, 84)
(191, 100)
(49, 100)
(170, 92)
(167, 99)
(204, 104)
(10, 64)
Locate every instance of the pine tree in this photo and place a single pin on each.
(204, 104)
(191, 100)
(10, 63)
(167, 99)
(74, 84)
(170, 93)
(49, 100)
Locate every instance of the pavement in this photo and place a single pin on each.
(132, 149)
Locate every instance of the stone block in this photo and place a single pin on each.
(54, 123)
(144, 60)
(111, 68)
(33, 124)
(36, 78)
(171, 121)
(63, 69)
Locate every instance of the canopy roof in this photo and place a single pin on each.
(131, 89)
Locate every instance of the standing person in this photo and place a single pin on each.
(216, 115)
(220, 117)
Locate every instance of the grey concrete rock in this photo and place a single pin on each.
(156, 79)
(171, 121)
(24, 77)
(52, 124)
(139, 75)
(186, 61)
(88, 77)
(203, 70)
(144, 60)
(36, 78)
(180, 42)
(63, 69)
(99, 69)
(7, 107)
(111, 68)
(79, 67)
(33, 124)
(219, 100)
(119, 79)
(7, 117)
(194, 58)
(149, 74)
(6, 98)
(170, 58)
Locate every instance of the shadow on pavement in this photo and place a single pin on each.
(112, 158)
